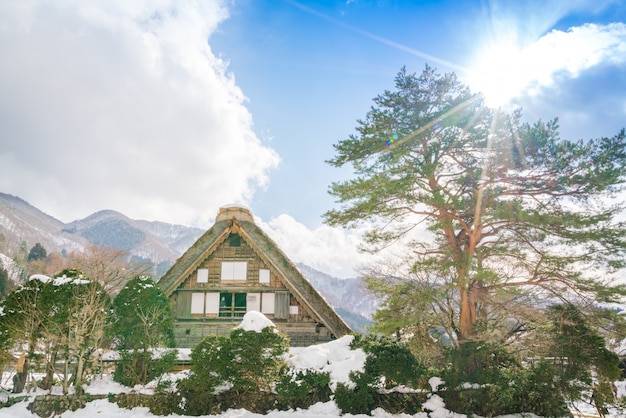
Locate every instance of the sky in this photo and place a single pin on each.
(169, 109)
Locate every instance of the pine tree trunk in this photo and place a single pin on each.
(465, 321)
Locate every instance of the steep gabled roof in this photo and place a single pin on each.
(238, 219)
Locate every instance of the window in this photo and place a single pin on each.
(212, 304)
(253, 302)
(267, 303)
(234, 240)
(232, 304)
(203, 276)
(234, 270)
(282, 305)
(197, 303)
(264, 276)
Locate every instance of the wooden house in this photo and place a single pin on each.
(235, 267)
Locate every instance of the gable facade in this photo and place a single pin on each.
(234, 268)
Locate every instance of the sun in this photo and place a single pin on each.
(499, 73)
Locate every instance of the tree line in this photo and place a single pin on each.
(61, 324)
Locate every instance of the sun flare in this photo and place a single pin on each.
(498, 73)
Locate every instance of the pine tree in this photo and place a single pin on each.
(497, 216)
(38, 252)
(142, 320)
(4, 282)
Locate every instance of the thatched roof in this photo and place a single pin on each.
(240, 220)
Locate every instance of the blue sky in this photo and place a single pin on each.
(166, 110)
(311, 69)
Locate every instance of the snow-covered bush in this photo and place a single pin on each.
(389, 363)
(301, 389)
(245, 366)
(140, 367)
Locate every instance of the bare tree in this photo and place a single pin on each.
(110, 267)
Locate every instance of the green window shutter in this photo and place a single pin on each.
(240, 304)
(226, 304)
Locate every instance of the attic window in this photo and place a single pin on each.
(203, 276)
(264, 276)
(234, 270)
(234, 240)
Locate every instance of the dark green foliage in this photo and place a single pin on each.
(6, 340)
(4, 282)
(211, 364)
(516, 390)
(577, 352)
(159, 404)
(141, 367)
(30, 314)
(81, 308)
(54, 405)
(142, 316)
(477, 362)
(484, 379)
(38, 252)
(389, 362)
(250, 362)
(303, 389)
(510, 208)
(359, 399)
(258, 359)
(142, 320)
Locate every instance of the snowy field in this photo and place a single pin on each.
(334, 357)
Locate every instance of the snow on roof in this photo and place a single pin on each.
(255, 321)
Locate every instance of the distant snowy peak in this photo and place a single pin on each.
(350, 297)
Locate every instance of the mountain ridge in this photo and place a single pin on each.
(23, 225)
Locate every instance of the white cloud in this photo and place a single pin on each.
(327, 249)
(504, 71)
(574, 51)
(123, 105)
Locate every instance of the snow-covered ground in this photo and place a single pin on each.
(335, 357)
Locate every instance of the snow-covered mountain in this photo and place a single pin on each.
(350, 297)
(23, 225)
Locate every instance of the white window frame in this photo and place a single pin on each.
(202, 276)
(253, 302)
(268, 303)
(264, 276)
(234, 271)
(197, 303)
(212, 303)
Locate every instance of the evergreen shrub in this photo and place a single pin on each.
(302, 389)
(358, 399)
(239, 371)
(484, 379)
(389, 363)
(138, 367)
